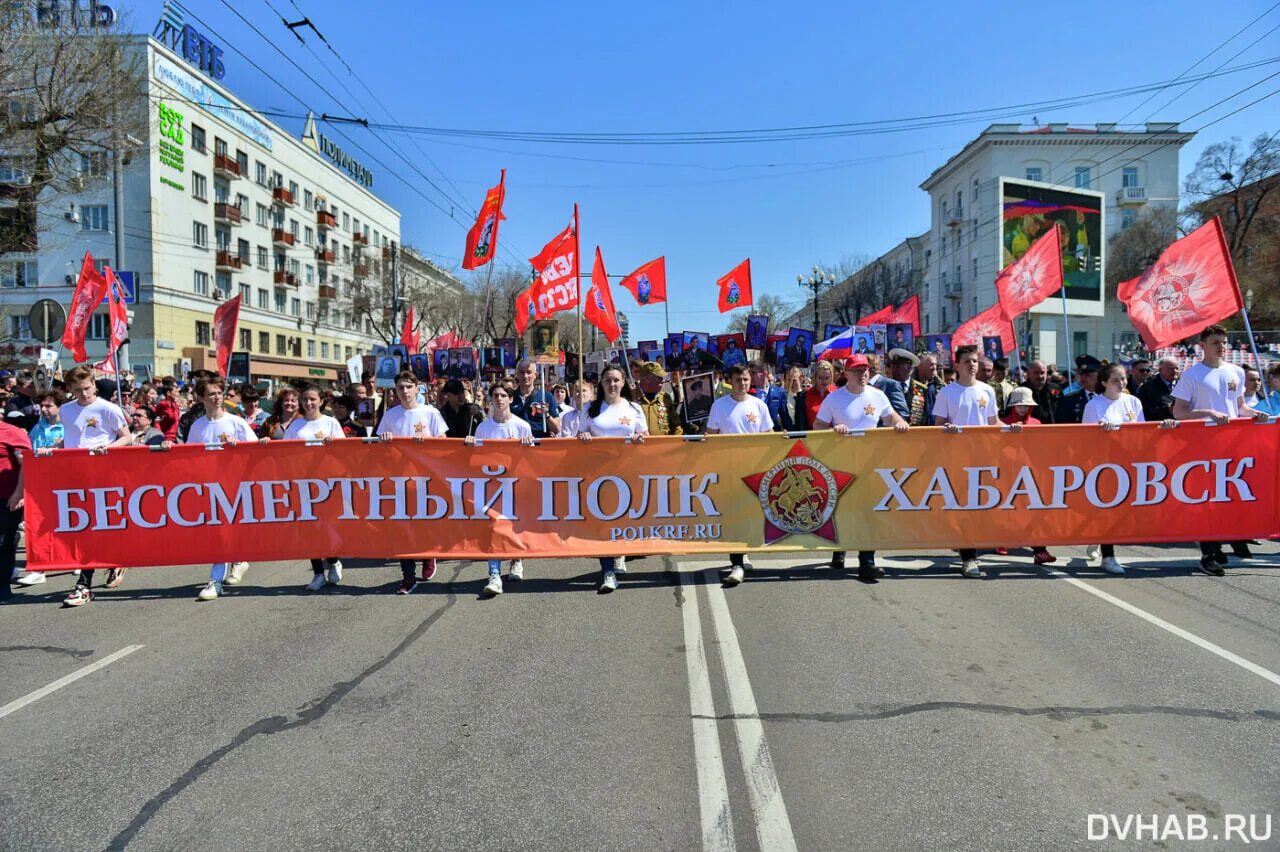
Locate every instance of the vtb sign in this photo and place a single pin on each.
(188, 42)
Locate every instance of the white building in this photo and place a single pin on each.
(219, 201)
(1126, 169)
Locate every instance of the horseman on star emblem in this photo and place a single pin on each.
(644, 289)
(798, 495)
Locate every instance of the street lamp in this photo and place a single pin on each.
(816, 282)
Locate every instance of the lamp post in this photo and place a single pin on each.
(815, 284)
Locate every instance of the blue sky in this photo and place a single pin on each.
(666, 66)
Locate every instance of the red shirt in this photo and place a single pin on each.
(12, 441)
(167, 416)
(1012, 418)
(812, 402)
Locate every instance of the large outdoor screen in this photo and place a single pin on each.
(1029, 210)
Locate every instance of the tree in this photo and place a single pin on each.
(1230, 182)
(1131, 251)
(773, 306)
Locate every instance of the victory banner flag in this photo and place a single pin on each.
(1192, 286)
(909, 311)
(482, 239)
(225, 320)
(599, 306)
(556, 267)
(648, 284)
(90, 290)
(117, 311)
(735, 288)
(990, 323)
(1031, 279)
(408, 336)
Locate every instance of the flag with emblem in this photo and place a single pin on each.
(225, 320)
(1032, 278)
(556, 267)
(116, 310)
(909, 311)
(735, 288)
(1192, 286)
(91, 287)
(989, 323)
(598, 309)
(482, 239)
(649, 282)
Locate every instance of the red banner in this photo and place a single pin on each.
(919, 490)
(883, 315)
(599, 307)
(482, 238)
(116, 310)
(225, 320)
(909, 311)
(735, 288)
(556, 287)
(989, 323)
(91, 287)
(649, 282)
(1031, 279)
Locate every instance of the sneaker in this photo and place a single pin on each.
(1044, 557)
(837, 560)
(31, 578)
(115, 577)
(867, 572)
(236, 574)
(210, 592)
(734, 577)
(316, 584)
(406, 586)
(335, 572)
(747, 566)
(1093, 553)
(620, 565)
(79, 596)
(428, 570)
(1210, 566)
(516, 572)
(610, 582)
(1220, 557)
(1112, 565)
(494, 586)
(972, 569)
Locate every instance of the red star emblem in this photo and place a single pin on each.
(1231, 386)
(752, 417)
(91, 423)
(419, 428)
(869, 410)
(624, 420)
(798, 495)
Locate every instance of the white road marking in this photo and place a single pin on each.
(713, 792)
(15, 706)
(1247, 665)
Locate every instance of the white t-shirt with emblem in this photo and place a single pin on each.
(424, 420)
(1126, 409)
(739, 418)
(623, 419)
(322, 427)
(1219, 388)
(90, 426)
(974, 405)
(513, 428)
(856, 411)
(228, 427)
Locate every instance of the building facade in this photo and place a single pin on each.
(889, 279)
(219, 202)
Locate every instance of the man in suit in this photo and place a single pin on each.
(774, 397)
(1156, 393)
(900, 364)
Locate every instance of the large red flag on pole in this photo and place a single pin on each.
(990, 323)
(556, 267)
(525, 310)
(735, 287)
(408, 336)
(649, 282)
(225, 320)
(1032, 278)
(91, 287)
(1192, 286)
(598, 308)
(117, 311)
(881, 316)
(482, 239)
(909, 311)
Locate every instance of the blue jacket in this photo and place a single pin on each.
(897, 396)
(775, 399)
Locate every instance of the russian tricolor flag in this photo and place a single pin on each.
(840, 346)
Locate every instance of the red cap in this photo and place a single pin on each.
(856, 361)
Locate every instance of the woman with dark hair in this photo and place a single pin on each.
(612, 414)
(283, 410)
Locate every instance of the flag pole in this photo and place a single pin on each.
(488, 286)
(1066, 326)
(1263, 382)
(577, 253)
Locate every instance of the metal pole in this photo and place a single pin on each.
(395, 293)
(1263, 382)
(1066, 328)
(117, 178)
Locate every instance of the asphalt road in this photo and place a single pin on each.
(802, 709)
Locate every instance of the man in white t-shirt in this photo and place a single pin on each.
(1212, 389)
(966, 402)
(89, 422)
(500, 425)
(739, 413)
(857, 407)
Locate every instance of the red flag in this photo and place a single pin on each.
(598, 309)
(990, 323)
(1032, 278)
(107, 366)
(408, 336)
(909, 311)
(225, 320)
(556, 266)
(116, 310)
(90, 290)
(880, 317)
(482, 239)
(1192, 286)
(648, 283)
(525, 311)
(735, 288)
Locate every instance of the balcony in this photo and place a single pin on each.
(228, 261)
(326, 256)
(359, 239)
(281, 237)
(328, 292)
(953, 289)
(285, 278)
(326, 220)
(229, 213)
(361, 270)
(1131, 195)
(386, 252)
(954, 218)
(226, 166)
(280, 195)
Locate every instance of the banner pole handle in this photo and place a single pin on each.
(1263, 382)
(1066, 327)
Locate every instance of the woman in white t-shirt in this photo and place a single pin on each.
(613, 415)
(312, 425)
(501, 425)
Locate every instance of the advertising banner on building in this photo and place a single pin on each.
(920, 490)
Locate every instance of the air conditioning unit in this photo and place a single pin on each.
(72, 215)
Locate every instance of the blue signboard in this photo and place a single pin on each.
(129, 282)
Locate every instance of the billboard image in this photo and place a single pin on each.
(1029, 209)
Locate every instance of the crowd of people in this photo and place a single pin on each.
(900, 392)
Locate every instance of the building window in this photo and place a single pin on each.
(308, 200)
(1127, 217)
(281, 302)
(1034, 173)
(242, 162)
(295, 307)
(346, 221)
(975, 269)
(259, 173)
(202, 333)
(242, 250)
(311, 311)
(246, 340)
(21, 273)
(1082, 177)
(201, 284)
(199, 187)
(308, 236)
(19, 327)
(347, 349)
(223, 283)
(200, 235)
(94, 218)
(99, 325)
(197, 138)
(93, 164)
(280, 350)
(310, 276)
(277, 179)
(219, 147)
(260, 215)
(324, 351)
(293, 229)
(246, 296)
(262, 257)
(311, 349)
(1129, 176)
(264, 302)
(264, 341)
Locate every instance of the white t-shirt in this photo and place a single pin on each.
(739, 418)
(974, 405)
(228, 427)
(570, 421)
(857, 411)
(90, 426)
(1219, 389)
(623, 419)
(1126, 409)
(513, 429)
(424, 420)
(323, 426)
